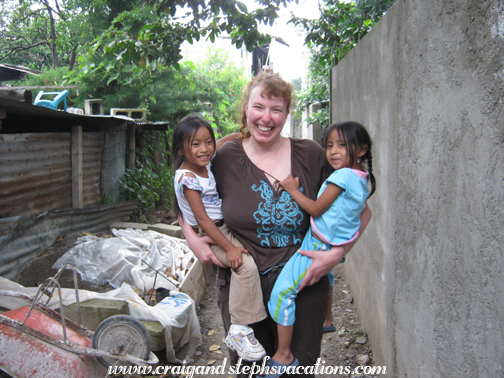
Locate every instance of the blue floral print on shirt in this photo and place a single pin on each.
(278, 217)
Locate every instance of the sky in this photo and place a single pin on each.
(290, 62)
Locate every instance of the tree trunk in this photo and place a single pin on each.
(53, 35)
(73, 56)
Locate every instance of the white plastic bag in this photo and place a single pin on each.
(133, 257)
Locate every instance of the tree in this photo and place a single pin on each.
(330, 37)
(221, 81)
(48, 33)
(38, 33)
(374, 9)
(151, 33)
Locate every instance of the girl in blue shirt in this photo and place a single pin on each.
(334, 222)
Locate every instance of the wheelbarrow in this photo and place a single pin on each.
(38, 342)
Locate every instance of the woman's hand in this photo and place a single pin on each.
(200, 245)
(322, 263)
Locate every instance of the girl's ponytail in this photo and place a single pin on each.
(372, 180)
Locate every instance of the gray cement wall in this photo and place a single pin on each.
(115, 165)
(427, 276)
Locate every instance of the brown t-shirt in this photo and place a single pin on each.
(269, 223)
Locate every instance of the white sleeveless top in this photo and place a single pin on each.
(209, 196)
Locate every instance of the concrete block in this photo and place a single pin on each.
(94, 311)
(157, 334)
(167, 229)
(124, 225)
(136, 114)
(197, 279)
(93, 107)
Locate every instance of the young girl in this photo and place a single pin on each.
(334, 222)
(197, 198)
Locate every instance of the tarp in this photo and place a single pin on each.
(133, 257)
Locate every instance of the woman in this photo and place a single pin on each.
(265, 218)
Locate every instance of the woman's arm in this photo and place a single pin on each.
(314, 208)
(226, 138)
(324, 261)
(200, 245)
(234, 254)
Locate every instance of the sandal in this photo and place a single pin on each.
(279, 369)
(329, 329)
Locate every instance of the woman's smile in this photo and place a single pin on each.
(265, 116)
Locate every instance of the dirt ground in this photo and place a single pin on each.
(347, 347)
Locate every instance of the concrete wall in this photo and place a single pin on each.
(115, 162)
(312, 131)
(427, 276)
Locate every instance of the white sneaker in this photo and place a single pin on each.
(246, 345)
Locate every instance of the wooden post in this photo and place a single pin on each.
(77, 179)
(130, 146)
(103, 162)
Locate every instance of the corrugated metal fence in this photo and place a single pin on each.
(22, 238)
(36, 170)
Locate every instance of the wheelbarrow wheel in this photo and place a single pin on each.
(122, 334)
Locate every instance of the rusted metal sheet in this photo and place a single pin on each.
(35, 172)
(22, 238)
(23, 355)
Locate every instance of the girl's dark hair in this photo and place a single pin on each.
(183, 135)
(355, 137)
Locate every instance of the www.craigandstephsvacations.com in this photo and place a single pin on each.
(256, 368)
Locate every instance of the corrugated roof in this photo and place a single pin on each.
(10, 72)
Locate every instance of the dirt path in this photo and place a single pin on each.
(348, 346)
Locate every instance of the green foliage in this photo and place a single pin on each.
(49, 77)
(340, 27)
(149, 33)
(298, 83)
(142, 33)
(40, 34)
(108, 197)
(151, 185)
(374, 9)
(169, 93)
(221, 81)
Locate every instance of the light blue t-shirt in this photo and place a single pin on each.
(341, 221)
